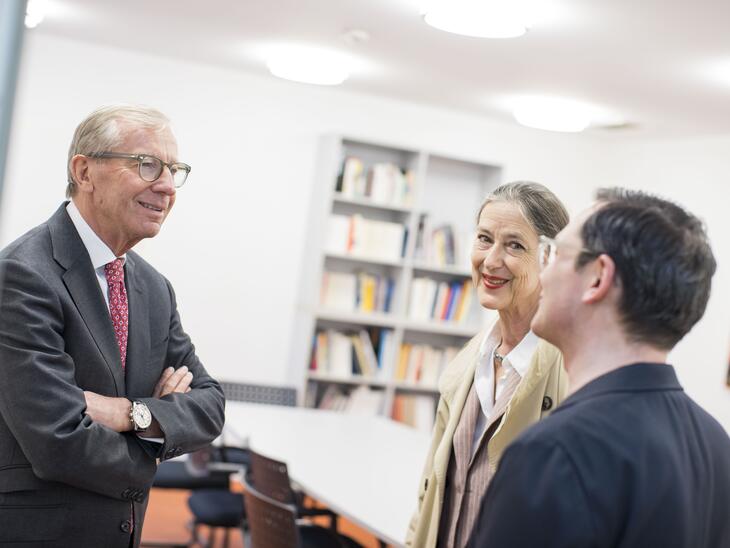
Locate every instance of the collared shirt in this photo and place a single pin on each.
(518, 360)
(100, 255)
(99, 252)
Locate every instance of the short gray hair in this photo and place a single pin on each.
(542, 209)
(100, 131)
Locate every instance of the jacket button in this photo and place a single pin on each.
(126, 526)
(125, 493)
(547, 403)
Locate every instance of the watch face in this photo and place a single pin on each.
(142, 416)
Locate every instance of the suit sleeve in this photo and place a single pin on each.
(535, 499)
(192, 420)
(43, 406)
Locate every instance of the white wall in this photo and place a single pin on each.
(233, 246)
(695, 173)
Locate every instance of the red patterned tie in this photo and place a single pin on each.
(118, 307)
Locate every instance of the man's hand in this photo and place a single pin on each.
(173, 380)
(114, 412)
(111, 412)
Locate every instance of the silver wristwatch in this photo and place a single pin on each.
(140, 416)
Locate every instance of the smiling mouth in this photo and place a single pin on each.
(150, 207)
(493, 282)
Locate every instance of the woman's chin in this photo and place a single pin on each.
(490, 302)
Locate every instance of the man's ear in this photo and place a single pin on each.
(600, 274)
(80, 167)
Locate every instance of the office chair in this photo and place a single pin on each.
(273, 524)
(271, 478)
(216, 507)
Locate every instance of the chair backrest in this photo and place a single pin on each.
(260, 393)
(271, 478)
(271, 523)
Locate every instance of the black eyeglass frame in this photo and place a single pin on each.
(139, 158)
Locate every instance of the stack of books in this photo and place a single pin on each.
(365, 238)
(344, 355)
(442, 301)
(361, 401)
(422, 364)
(416, 411)
(443, 245)
(361, 292)
(383, 183)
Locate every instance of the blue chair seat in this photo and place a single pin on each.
(217, 508)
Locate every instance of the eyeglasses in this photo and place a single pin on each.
(150, 167)
(548, 248)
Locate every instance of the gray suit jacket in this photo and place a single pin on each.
(65, 480)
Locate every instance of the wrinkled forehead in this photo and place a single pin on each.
(505, 217)
(146, 136)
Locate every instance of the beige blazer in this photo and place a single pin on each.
(545, 377)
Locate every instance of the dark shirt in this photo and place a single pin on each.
(629, 460)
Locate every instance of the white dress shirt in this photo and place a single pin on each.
(99, 252)
(100, 255)
(518, 360)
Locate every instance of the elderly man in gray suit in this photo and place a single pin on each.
(98, 380)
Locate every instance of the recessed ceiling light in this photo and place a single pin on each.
(308, 65)
(553, 114)
(35, 11)
(478, 18)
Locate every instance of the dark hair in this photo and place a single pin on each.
(664, 263)
(542, 209)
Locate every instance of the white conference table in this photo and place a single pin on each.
(366, 469)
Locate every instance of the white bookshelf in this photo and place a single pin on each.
(449, 191)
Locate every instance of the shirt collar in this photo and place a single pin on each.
(635, 377)
(99, 252)
(519, 357)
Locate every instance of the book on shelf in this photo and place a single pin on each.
(418, 411)
(366, 238)
(356, 292)
(444, 301)
(422, 364)
(346, 355)
(442, 245)
(360, 401)
(383, 183)
(364, 400)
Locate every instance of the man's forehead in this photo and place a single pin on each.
(134, 135)
(573, 228)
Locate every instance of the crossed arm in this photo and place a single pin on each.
(114, 412)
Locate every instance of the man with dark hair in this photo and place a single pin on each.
(628, 460)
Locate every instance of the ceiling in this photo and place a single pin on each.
(661, 67)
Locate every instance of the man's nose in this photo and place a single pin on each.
(165, 182)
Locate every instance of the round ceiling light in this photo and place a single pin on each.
(308, 65)
(477, 18)
(553, 114)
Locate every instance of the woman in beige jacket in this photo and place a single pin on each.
(504, 379)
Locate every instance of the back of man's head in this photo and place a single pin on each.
(664, 263)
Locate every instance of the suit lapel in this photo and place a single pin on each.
(81, 282)
(139, 330)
